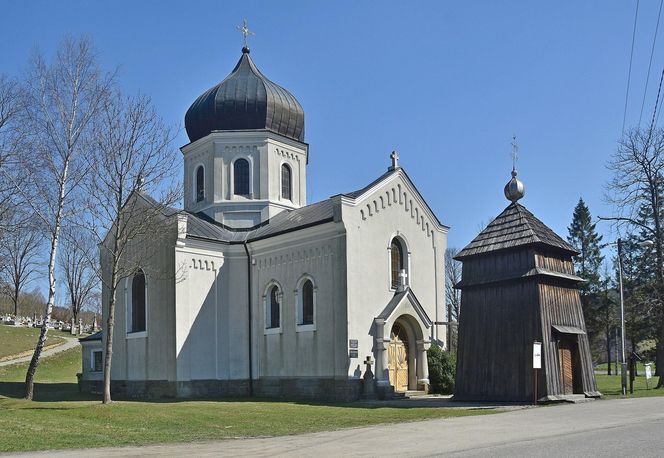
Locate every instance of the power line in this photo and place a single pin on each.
(652, 53)
(629, 73)
(655, 113)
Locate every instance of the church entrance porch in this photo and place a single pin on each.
(401, 340)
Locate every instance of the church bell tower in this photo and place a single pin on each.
(246, 160)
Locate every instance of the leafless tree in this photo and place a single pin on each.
(10, 137)
(20, 249)
(78, 269)
(62, 97)
(452, 295)
(637, 186)
(133, 157)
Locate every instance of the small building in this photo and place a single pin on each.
(518, 287)
(91, 377)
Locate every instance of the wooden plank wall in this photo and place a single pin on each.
(497, 327)
(499, 323)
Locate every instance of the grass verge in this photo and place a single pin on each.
(610, 387)
(61, 418)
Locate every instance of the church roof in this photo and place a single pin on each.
(200, 225)
(245, 100)
(514, 227)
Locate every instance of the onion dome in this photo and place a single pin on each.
(245, 100)
(514, 189)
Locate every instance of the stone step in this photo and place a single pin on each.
(415, 394)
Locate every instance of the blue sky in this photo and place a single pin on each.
(446, 84)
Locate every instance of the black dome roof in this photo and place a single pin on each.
(246, 99)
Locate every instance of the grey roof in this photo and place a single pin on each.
(398, 298)
(245, 100)
(202, 226)
(514, 227)
(95, 336)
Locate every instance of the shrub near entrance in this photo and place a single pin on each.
(442, 369)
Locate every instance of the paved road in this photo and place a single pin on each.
(70, 342)
(631, 427)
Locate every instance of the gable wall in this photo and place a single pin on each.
(392, 209)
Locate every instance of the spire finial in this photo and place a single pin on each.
(244, 29)
(514, 189)
(395, 160)
(515, 154)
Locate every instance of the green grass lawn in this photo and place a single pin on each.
(640, 368)
(15, 340)
(60, 417)
(609, 386)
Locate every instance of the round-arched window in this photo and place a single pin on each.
(286, 187)
(241, 177)
(200, 183)
(396, 261)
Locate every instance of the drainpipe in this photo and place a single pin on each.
(251, 364)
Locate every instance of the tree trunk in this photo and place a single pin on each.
(110, 324)
(608, 351)
(34, 362)
(55, 235)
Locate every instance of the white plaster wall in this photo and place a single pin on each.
(265, 152)
(152, 355)
(211, 317)
(372, 221)
(320, 253)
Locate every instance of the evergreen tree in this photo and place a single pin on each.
(584, 238)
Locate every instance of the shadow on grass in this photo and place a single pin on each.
(64, 392)
(47, 392)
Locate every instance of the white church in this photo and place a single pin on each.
(258, 292)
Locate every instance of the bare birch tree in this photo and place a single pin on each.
(19, 249)
(62, 98)
(133, 157)
(638, 186)
(78, 269)
(452, 295)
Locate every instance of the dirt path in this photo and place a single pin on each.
(70, 342)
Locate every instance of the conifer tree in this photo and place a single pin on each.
(584, 238)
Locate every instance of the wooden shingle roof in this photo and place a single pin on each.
(514, 227)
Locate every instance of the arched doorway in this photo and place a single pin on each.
(398, 358)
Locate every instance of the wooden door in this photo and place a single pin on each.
(397, 362)
(566, 366)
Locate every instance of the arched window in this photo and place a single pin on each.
(307, 303)
(200, 183)
(396, 261)
(273, 319)
(241, 177)
(137, 323)
(286, 189)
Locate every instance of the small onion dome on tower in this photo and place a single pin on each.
(245, 100)
(514, 189)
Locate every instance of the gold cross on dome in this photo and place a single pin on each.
(244, 29)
